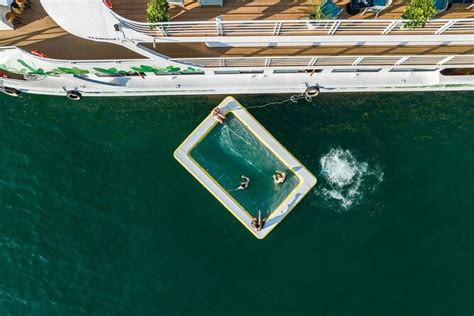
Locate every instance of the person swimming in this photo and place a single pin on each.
(244, 184)
(218, 116)
(279, 177)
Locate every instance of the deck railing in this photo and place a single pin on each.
(413, 61)
(297, 28)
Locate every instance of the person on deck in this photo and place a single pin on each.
(258, 223)
(218, 116)
(279, 177)
(255, 224)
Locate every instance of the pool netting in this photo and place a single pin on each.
(229, 151)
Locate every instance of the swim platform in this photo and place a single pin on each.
(217, 155)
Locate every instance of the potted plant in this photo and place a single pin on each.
(157, 11)
(315, 16)
(418, 12)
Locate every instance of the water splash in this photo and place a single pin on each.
(347, 180)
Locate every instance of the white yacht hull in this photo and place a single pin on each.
(215, 84)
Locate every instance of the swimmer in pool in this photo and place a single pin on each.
(279, 177)
(218, 116)
(244, 184)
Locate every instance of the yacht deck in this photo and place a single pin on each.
(200, 50)
(268, 10)
(40, 32)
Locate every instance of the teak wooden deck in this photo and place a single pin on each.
(195, 50)
(267, 9)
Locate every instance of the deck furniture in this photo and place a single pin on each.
(176, 2)
(330, 10)
(179, 3)
(378, 6)
(108, 4)
(17, 9)
(354, 6)
(5, 24)
(441, 5)
(10, 17)
(203, 3)
(13, 19)
(24, 3)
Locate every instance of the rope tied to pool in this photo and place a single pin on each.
(307, 95)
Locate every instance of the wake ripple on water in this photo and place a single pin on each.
(345, 180)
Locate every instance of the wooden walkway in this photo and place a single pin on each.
(267, 9)
(195, 50)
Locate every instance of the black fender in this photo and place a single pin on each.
(73, 95)
(311, 91)
(10, 91)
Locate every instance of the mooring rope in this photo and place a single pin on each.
(294, 99)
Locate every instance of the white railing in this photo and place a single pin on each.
(414, 61)
(297, 28)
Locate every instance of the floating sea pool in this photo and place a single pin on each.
(229, 151)
(218, 155)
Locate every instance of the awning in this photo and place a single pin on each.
(6, 3)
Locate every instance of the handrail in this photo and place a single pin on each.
(296, 27)
(279, 61)
(359, 61)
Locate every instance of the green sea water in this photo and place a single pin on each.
(97, 218)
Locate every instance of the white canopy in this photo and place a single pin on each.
(6, 3)
(84, 18)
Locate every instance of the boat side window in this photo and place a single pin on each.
(355, 70)
(295, 71)
(142, 74)
(411, 69)
(179, 73)
(122, 74)
(191, 72)
(235, 72)
(458, 72)
(174, 73)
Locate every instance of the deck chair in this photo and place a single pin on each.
(379, 6)
(176, 2)
(441, 5)
(203, 3)
(330, 10)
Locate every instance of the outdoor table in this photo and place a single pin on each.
(354, 6)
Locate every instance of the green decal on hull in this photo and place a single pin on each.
(31, 70)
